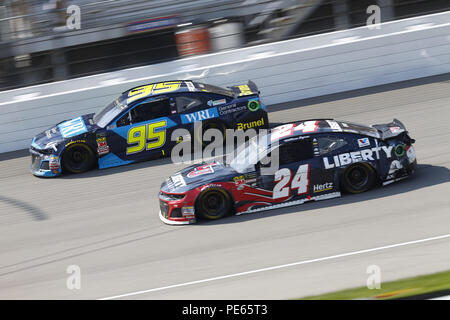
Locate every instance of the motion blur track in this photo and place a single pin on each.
(106, 222)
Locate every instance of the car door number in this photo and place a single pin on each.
(146, 137)
(300, 181)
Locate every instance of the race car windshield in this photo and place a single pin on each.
(249, 154)
(105, 116)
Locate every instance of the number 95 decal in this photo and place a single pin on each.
(283, 177)
(146, 137)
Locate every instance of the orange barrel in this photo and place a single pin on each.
(193, 40)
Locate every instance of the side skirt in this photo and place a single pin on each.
(293, 203)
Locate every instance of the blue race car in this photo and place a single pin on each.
(138, 124)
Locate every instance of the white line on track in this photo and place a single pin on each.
(279, 267)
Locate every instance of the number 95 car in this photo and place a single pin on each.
(138, 125)
(317, 159)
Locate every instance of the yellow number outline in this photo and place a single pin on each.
(245, 90)
(159, 135)
(165, 87)
(151, 89)
(146, 133)
(132, 138)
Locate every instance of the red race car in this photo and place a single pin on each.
(316, 160)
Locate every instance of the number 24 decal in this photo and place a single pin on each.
(150, 132)
(283, 177)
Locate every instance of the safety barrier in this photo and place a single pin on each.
(284, 71)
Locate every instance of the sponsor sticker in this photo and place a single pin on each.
(178, 181)
(201, 170)
(102, 146)
(199, 115)
(364, 142)
(411, 154)
(253, 105)
(323, 187)
(249, 125)
(72, 127)
(219, 102)
(190, 86)
(356, 156)
(395, 129)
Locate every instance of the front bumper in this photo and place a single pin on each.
(175, 211)
(44, 165)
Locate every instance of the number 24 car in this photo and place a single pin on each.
(317, 159)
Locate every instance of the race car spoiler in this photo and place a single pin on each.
(392, 129)
(248, 89)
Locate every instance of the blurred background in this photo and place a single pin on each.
(37, 46)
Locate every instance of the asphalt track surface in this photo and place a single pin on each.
(106, 222)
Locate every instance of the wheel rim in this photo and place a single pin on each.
(78, 158)
(214, 204)
(358, 176)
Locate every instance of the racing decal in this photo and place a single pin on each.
(356, 156)
(75, 141)
(252, 124)
(72, 127)
(288, 129)
(327, 186)
(395, 129)
(239, 182)
(394, 167)
(178, 181)
(244, 90)
(219, 102)
(334, 125)
(399, 150)
(50, 132)
(363, 142)
(300, 181)
(231, 108)
(146, 137)
(253, 105)
(260, 206)
(152, 89)
(53, 164)
(102, 146)
(411, 154)
(199, 115)
(203, 169)
(190, 86)
(316, 147)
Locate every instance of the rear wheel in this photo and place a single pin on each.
(78, 158)
(358, 178)
(213, 204)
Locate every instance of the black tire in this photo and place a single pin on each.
(77, 158)
(358, 178)
(213, 204)
(210, 125)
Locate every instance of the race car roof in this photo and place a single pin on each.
(173, 86)
(314, 126)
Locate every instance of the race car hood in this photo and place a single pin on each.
(64, 131)
(197, 175)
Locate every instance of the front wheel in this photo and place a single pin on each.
(213, 204)
(358, 178)
(78, 158)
